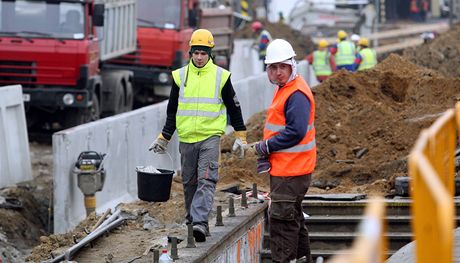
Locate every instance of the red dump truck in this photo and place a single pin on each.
(163, 33)
(80, 59)
(57, 50)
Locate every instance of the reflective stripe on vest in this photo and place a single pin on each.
(299, 159)
(215, 100)
(369, 59)
(201, 112)
(321, 63)
(279, 128)
(345, 53)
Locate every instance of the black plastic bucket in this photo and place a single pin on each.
(154, 187)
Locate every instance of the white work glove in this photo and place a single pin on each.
(240, 144)
(159, 145)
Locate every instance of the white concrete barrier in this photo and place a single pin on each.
(15, 163)
(125, 138)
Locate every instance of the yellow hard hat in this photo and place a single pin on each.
(323, 43)
(202, 37)
(342, 34)
(363, 42)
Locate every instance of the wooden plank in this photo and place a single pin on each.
(408, 30)
(409, 42)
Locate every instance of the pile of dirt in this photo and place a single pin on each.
(149, 220)
(366, 123)
(441, 54)
(25, 208)
(303, 45)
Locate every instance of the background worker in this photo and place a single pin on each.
(263, 38)
(201, 95)
(366, 57)
(322, 61)
(355, 39)
(288, 152)
(344, 52)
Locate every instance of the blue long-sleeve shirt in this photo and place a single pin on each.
(297, 114)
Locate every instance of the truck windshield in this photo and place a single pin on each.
(159, 13)
(42, 19)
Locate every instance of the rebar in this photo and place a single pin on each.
(174, 252)
(190, 239)
(244, 199)
(231, 207)
(219, 221)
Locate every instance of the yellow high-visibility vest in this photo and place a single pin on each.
(201, 112)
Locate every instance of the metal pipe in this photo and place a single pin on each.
(103, 217)
(69, 253)
(95, 234)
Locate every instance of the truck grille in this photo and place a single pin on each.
(17, 72)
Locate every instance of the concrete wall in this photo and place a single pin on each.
(246, 248)
(125, 138)
(15, 163)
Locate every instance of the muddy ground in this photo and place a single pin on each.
(366, 123)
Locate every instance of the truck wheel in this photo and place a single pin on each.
(78, 116)
(129, 97)
(119, 99)
(113, 92)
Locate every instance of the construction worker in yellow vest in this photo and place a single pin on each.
(344, 52)
(322, 61)
(201, 96)
(366, 57)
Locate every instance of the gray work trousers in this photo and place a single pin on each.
(200, 163)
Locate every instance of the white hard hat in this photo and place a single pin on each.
(279, 50)
(355, 37)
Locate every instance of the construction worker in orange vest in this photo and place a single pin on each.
(288, 153)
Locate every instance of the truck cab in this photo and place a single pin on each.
(52, 49)
(163, 33)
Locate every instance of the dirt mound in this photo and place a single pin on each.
(366, 123)
(441, 54)
(303, 45)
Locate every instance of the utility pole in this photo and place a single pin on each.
(451, 12)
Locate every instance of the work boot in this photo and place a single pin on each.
(199, 233)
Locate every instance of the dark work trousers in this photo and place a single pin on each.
(288, 233)
(200, 163)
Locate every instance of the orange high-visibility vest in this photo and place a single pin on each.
(301, 158)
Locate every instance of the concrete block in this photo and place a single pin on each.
(125, 139)
(15, 163)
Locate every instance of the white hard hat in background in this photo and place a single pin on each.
(355, 38)
(279, 50)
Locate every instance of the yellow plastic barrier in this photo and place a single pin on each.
(432, 172)
(371, 244)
